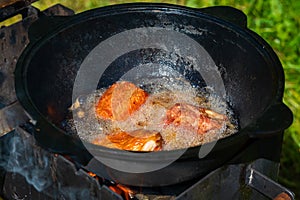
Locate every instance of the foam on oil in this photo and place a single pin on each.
(165, 91)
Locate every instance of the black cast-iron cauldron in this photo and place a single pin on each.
(252, 75)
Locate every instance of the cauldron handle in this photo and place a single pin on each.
(275, 120)
(227, 13)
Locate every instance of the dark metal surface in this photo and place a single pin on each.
(12, 116)
(265, 185)
(223, 183)
(13, 40)
(33, 173)
(9, 8)
(227, 13)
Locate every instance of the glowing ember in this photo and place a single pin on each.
(92, 174)
(122, 190)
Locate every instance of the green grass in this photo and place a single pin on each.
(278, 22)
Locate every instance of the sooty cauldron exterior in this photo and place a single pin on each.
(251, 72)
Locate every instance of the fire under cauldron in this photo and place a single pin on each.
(249, 69)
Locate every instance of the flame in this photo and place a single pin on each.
(122, 190)
(93, 175)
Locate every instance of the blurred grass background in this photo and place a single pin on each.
(278, 22)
